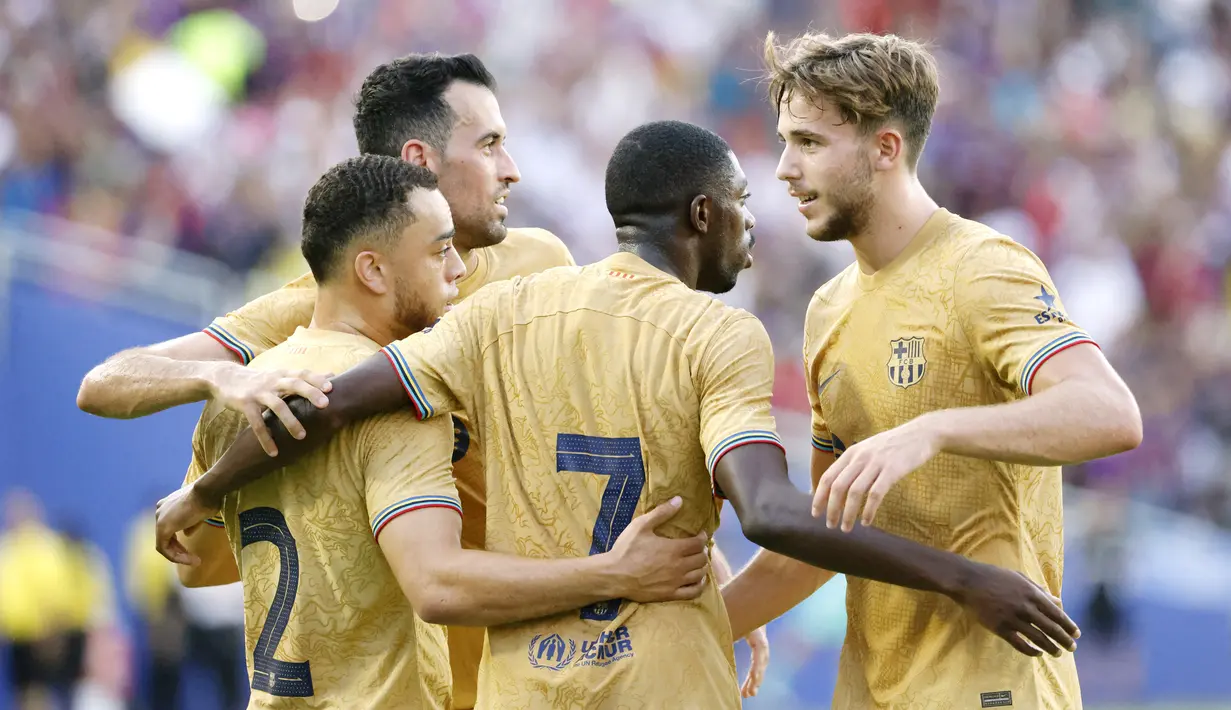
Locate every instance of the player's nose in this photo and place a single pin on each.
(508, 169)
(455, 268)
(788, 167)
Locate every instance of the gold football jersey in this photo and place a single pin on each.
(326, 623)
(963, 317)
(599, 392)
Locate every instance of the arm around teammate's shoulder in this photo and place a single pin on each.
(447, 584)
(142, 381)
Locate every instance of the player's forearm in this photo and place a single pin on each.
(779, 518)
(770, 586)
(369, 388)
(138, 383)
(1068, 423)
(477, 588)
(776, 515)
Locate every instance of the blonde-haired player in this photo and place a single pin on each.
(947, 385)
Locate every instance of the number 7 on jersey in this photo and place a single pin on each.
(620, 460)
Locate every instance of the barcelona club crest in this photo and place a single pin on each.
(906, 361)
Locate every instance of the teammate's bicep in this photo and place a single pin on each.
(1079, 363)
(418, 546)
(194, 347)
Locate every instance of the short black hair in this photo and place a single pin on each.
(404, 99)
(367, 196)
(659, 167)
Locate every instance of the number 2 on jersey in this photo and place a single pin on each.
(619, 460)
(281, 678)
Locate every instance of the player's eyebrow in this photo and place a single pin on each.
(445, 236)
(798, 133)
(490, 136)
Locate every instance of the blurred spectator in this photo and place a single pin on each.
(215, 639)
(154, 592)
(90, 598)
(202, 627)
(35, 598)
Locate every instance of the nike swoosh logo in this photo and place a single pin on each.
(821, 388)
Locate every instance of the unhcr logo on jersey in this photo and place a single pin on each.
(551, 652)
(555, 653)
(610, 647)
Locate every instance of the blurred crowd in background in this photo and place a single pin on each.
(1096, 132)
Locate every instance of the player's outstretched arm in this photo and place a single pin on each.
(777, 516)
(141, 381)
(370, 387)
(447, 584)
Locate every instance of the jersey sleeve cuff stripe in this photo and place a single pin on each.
(410, 505)
(1045, 353)
(743, 438)
(215, 523)
(230, 342)
(821, 443)
(418, 399)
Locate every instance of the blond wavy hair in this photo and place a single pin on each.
(872, 79)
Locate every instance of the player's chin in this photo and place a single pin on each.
(818, 230)
(495, 231)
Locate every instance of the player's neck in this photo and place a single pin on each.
(901, 211)
(465, 252)
(346, 316)
(656, 254)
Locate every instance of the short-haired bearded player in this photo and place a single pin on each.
(437, 111)
(947, 388)
(607, 389)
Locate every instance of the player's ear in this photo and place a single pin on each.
(372, 272)
(699, 213)
(890, 149)
(416, 152)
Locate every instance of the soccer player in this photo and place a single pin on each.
(377, 508)
(607, 389)
(436, 111)
(947, 387)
